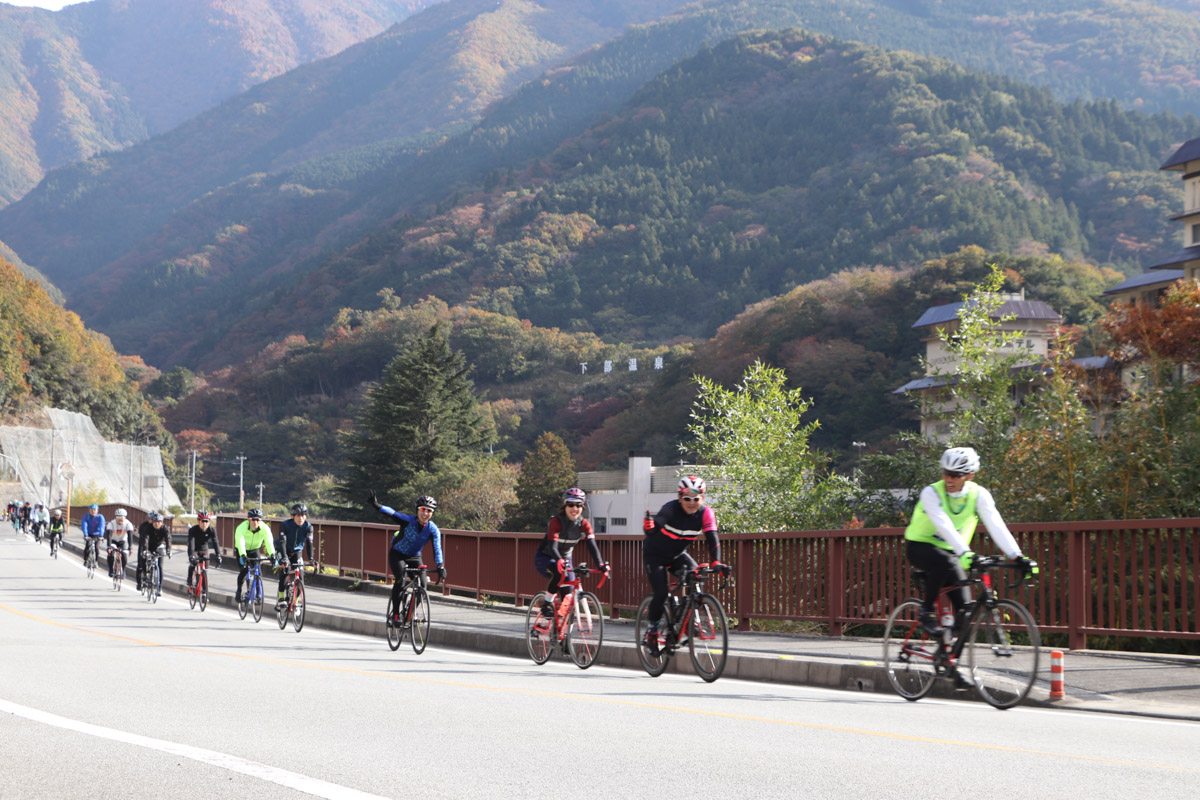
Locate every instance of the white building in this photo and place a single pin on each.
(619, 499)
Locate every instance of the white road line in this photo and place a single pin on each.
(265, 772)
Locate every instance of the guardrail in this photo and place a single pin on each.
(1136, 578)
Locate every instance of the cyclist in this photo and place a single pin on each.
(668, 534)
(152, 535)
(92, 526)
(409, 540)
(295, 539)
(23, 515)
(553, 557)
(40, 519)
(118, 537)
(938, 539)
(58, 528)
(202, 538)
(252, 536)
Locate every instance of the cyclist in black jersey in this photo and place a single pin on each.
(668, 534)
(565, 530)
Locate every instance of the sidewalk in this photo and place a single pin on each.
(1099, 681)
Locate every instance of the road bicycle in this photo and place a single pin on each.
(252, 595)
(411, 620)
(89, 555)
(578, 628)
(696, 619)
(152, 579)
(293, 599)
(55, 538)
(1000, 638)
(37, 531)
(198, 591)
(118, 567)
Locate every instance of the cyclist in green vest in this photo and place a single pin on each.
(938, 540)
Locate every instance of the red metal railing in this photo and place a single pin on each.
(1129, 578)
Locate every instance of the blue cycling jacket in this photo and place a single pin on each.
(412, 537)
(92, 525)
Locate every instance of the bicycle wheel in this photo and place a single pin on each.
(257, 605)
(539, 630)
(393, 626)
(909, 652)
(244, 605)
(151, 582)
(298, 608)
(586, 632)
(1002, 652)
(202, 587)
(418, 620)
(91, 565)
(654, 665)
(708, 637)
(281, 612)
(192, 595)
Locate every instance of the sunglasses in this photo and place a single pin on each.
(695, 497)
(574, 505)
(952, 474)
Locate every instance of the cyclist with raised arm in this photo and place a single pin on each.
(407, 543)
(938, 539)
(92, 526)
(252, 536)
(553, 557)
(152, 535)
(201, 540)
(118, 537)
(295, 540)
(668, 534)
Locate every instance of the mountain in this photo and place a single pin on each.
(101, 75)
(770, 160)
(7, 254)
(48, 358)
(201, 210)
(402, 90)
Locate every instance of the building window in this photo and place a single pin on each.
(1196, 233)
(619, 522)
(600, 524)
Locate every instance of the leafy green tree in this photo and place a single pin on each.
(419, 430)
(173, 384)
(752, 438)
(547, 472)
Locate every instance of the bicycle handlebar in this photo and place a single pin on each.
(986, 563)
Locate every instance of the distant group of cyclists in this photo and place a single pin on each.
(938, 539)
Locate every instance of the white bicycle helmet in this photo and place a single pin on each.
(122, 512)
(690, 484)
(960, 459)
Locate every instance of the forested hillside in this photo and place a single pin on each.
(47, 357)
(101, 75)
(207, 214)
(770, 160)
(391, 95)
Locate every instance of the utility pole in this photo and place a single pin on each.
(260, 490)
(129, 499)
(241, 483)
(193, 489)
(50, 480)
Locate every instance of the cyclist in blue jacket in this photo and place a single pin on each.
(92, 526)
(295, 542)
(409, 540)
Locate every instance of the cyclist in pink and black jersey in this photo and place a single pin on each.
(668, 534)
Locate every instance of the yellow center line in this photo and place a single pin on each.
(606, 700)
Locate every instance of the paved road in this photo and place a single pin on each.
(106, 696)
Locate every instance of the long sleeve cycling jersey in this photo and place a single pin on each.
(562, 535)
(674, 529)
(293, 537)
(119, 534)
(201, 539)
(246, 538)
(151, 538)
(984, 509)
(411, 538)
(92, 525)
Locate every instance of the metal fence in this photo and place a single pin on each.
(1130, 578)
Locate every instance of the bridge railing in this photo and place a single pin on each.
(1137, 578)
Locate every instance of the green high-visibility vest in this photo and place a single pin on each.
(961, 511)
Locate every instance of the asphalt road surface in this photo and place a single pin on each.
(105, 696)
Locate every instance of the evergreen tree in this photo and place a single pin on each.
(548, 471)
(419, 432)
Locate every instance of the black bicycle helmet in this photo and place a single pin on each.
(299, 508)
(154, 516)
(255, 513)
(425, 501)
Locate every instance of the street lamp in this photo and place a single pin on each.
(860, 446)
